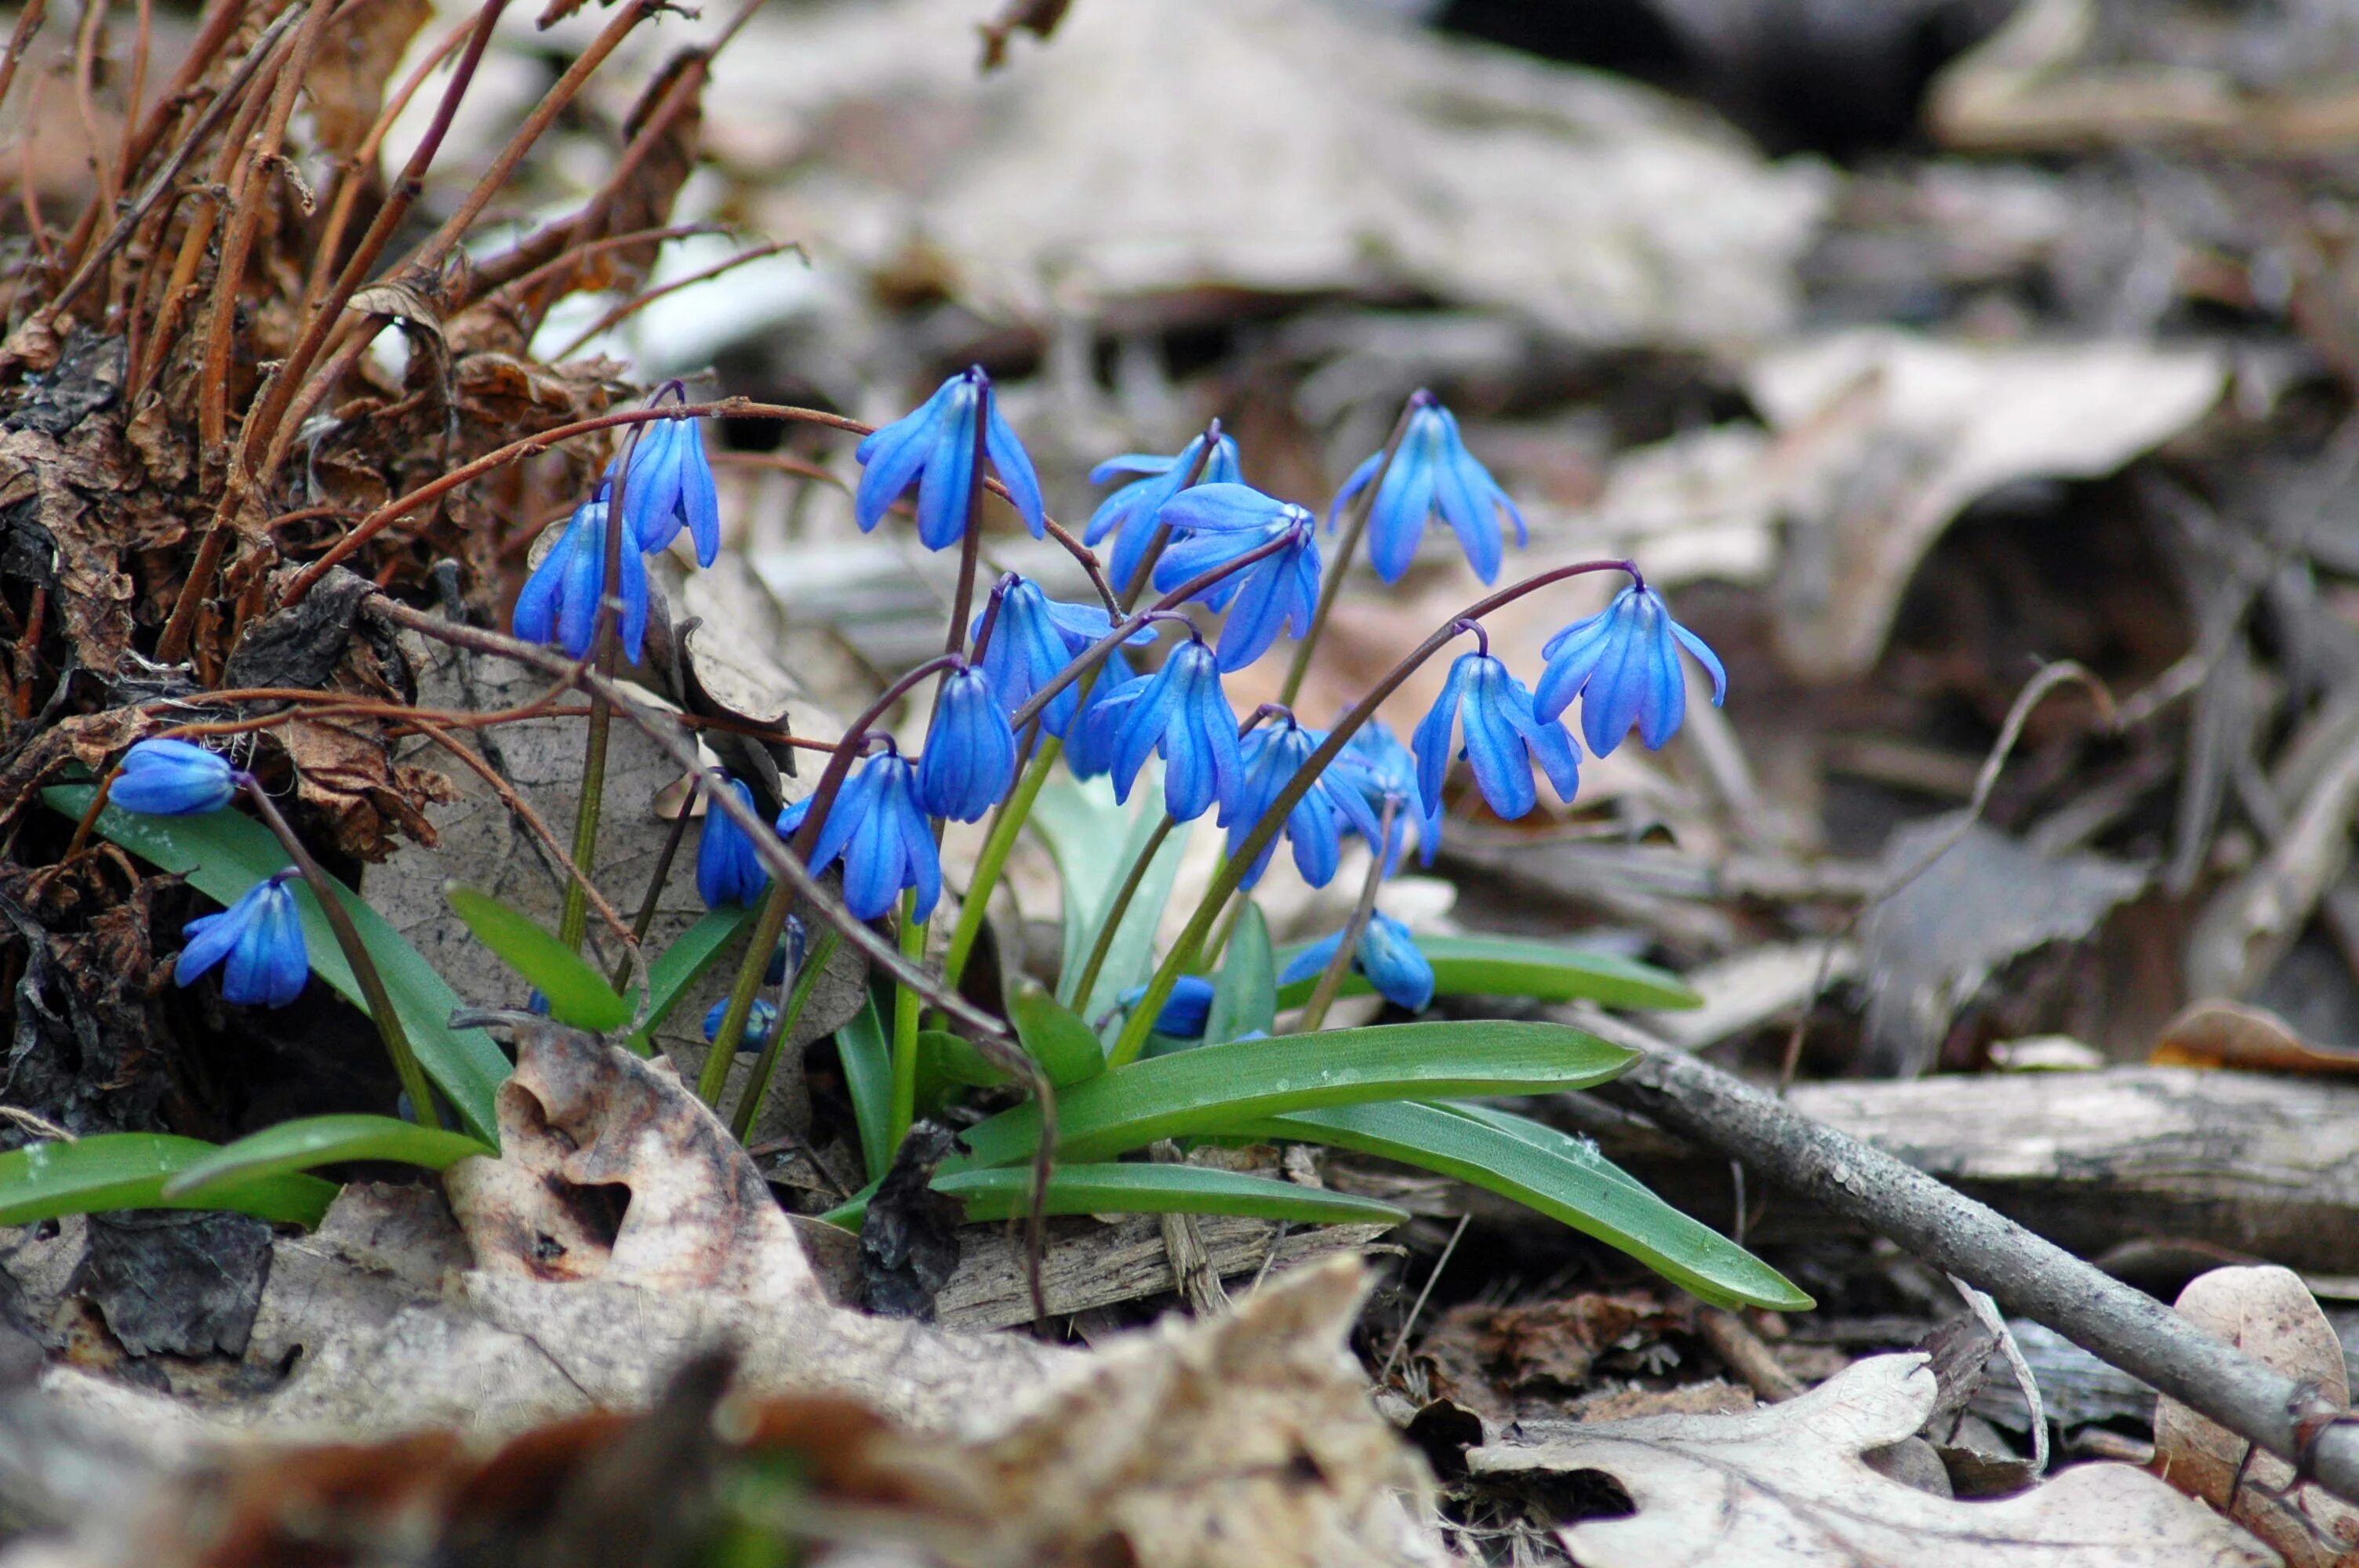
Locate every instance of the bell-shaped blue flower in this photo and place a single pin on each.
(1184, 1012)
(1375, 763)
(1133, 512)
(1032, 641)
(1386, 954)
(876, 827)
(1091, 739)
(728, 872)
(1183, 713)
(172, 778)
(258, 942)
(1433, 474)
(970, 758)
(671, 487)
(933, 449)
(759, 1021)
(1624, 664)
(559, 602)
(1223, 522)
(1316, 823)
(1503, 739)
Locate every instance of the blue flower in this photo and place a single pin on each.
(886, 846)
(1386, 954)
(262, 939)
(1376, 762)
(559, 602)
(1133, 512)
(1183, 713)
(933, 449)
(672, 484)
(1222, 521)
(728, 872)
(172, 778)
(759, 1021)
(1503, 739)
(1432, 472)
(1092, 737)
(1184, 1012)
(1273, 755)
(1624, 664)
(1032, 641)
(969, 757)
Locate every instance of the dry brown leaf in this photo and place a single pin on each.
(1784, 1487)
(2269, 1314)
(347, 78)
(2235, 1035)
(1479, 1355)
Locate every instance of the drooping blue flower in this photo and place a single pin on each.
(1624, 664)
(1386, 953)
(970, 758)
(671, 486)
(261, 938)
(1432, 473)
(762, 1018)
(728, 872)
(1183, 713)
(1503, 739)
(559, 602)
(1381, 767)
(1274, 754)
(172, 778)
(876, 827)
(1132, 513)
(1223, 522)
(1032, 641)
(933, 449)
(1184, 1012)
(1092, 737)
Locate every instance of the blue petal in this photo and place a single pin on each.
(892, 457)
(1706, 657)
(1502, 769)
(1550, 744)
(1572, 655)
(635, 602)
(585, 569)
(1397, 521)
(697, 497)
(1312, 961)
(1354, 485)
(1186, 1010)
(1665, 702)
(210, 938)
(1015, 466)
(921, 866)
(1430, 741)
(1388, 955)
(1150, 717)
(1611, 699)
(943, 491)
(1460, 501)
(1139, 463)
(1226, 509)
(1116, 510)
(872, 864)
(854, 804)
(172, 778)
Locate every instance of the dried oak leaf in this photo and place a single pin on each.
(1784, 1487)
(2269, 1314)
(645, 200)
(1480, 1355)
(345, 772)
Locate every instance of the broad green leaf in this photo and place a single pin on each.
(128, 1170)
(1054, 1036)
(1212, 1089)
(689, 958)
(1507, 966)
(1145, 1189)
(954, 1058)
(319, 1141)
(1562, 1178)
(867, 1058)
(1094, 842)
(577, 994)
(1244, 997)
(223, 853)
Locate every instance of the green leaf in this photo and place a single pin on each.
(688, 960)
(1506, 965)
(1561, 1177)
(319, 1141)
(577, 994)
(1245, 998)
(1094, 842)
(1054, 1036)
(1212, 1089)
(1145, 1189)
(867, 1058)
(224, 854)
(128, 1170)
(954, 1058)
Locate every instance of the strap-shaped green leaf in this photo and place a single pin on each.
(1145, 1189)
(128, 1169)
(867, 1059)
(315, 1141)
(1244, 996)
(687, 960)
(1054, 1035)
(1507, 966)
(578, 994)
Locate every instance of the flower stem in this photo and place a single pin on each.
(998, 845)
(1183, 953)
(1331, 979)
(806, 981)
(331, 898)
(645, 918)
(1111, 921)
(1353, 527)
(573, 922)
(905, 1028)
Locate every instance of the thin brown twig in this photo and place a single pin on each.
(20, 38)
(85, 68)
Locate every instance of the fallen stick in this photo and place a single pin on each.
(2029, 1276)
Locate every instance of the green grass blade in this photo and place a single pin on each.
(1570, 1182)
(1506, 966)
(1211, 1089)
(951, 1058)
(689, 958)
(1244, 997)
(1145, 1189)
(867, 1058)
(318, 1140)
(577, 995)
(128, 1169)
(1054, 1035)
(222, 854)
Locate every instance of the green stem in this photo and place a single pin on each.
(904, 1027)
(356, 954)
(573, 924)
(998, 845)
(644, 920)
(806, 981)
(1330, 979)
(1111, 921)
(1345, 547)
(776, 903)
